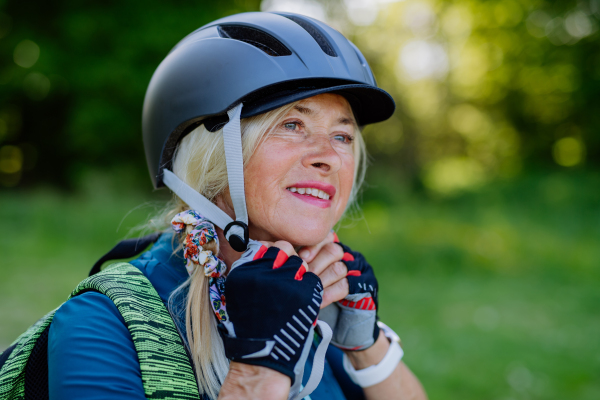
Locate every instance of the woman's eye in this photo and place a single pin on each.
(290, 125)
(344, 138)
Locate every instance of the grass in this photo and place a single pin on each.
(494, 293)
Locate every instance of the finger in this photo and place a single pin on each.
(286, 247)
(332, 274)
(281, 250)
(308, 253)
(329, 254)
(335, 292)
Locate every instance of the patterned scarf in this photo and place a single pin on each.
(214, 268)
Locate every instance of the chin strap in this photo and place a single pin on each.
(318, 361)
(236, 231)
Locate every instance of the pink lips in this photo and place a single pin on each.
(326, 187)
(322, 203)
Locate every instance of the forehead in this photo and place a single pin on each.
(325, 104)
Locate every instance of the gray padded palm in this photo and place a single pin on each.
(352, 328)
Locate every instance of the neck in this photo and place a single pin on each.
(226, 253)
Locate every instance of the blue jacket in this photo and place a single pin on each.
(91, 354)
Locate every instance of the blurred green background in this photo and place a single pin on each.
(481, 213)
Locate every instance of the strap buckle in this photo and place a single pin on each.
(235, 241)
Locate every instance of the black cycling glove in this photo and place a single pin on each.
(272, 305)
(354, 319)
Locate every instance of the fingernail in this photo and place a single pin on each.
(304, 254)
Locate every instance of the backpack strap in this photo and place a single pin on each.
(166, 369)
(17, 357)
(165, 366)
(126, 249)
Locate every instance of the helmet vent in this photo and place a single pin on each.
(256, 38)
(315, 33)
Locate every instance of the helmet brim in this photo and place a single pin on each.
(369, 104)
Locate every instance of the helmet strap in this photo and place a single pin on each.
(232, 140)
(235, 233)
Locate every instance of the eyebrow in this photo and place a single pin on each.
(308, 111)
(304, 110)
(346, 121)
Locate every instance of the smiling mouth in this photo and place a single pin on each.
(314, 192)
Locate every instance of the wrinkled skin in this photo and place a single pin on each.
(312, 143)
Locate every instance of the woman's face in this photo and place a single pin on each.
(299, 180)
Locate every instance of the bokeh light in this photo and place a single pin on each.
(568, 151)
(11, 165)
(312, 8)
(26, 54)
(11, 159)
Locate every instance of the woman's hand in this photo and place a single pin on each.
(324, 260)
(254, 382)
(350, 283)
(272, 308)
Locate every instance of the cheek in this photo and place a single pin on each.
(272, 212)
(346, 179)
(263, 174)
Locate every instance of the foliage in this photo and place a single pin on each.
(73, 77)
(495, 294)
(494, 291)
(484, 88)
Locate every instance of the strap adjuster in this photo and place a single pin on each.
(236, 242)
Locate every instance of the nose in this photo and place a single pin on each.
(322, 156)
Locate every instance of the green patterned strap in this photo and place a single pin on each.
(12, 374)
(166, 369)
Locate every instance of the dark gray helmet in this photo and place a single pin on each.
(263, 60)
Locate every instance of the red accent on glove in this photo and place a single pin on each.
(335, 238)
(260, 253)
(280, 259)
(348, 257)
(300, 273)
(353, 273)
(365, 304)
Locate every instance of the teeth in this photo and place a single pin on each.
(310, 191)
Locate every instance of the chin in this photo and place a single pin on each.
(307, 236)
(300, 234)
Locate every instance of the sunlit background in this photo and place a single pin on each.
(481, 214)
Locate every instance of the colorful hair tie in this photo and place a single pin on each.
(214, 268)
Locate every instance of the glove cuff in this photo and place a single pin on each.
(237, 349)
(254, 352)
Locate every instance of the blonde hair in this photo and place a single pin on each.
(200, 162)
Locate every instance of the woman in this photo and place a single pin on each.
(252, 121)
